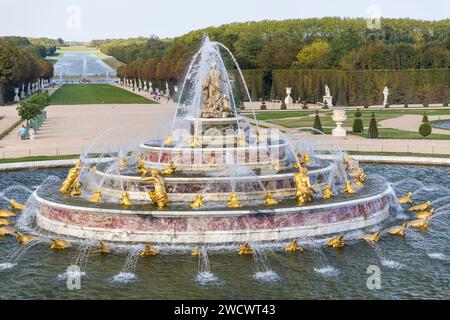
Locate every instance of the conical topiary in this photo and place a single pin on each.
(373, 128)
(263, 106)
(283, 105)
(425, 118)
(317, 124)
(357, 123)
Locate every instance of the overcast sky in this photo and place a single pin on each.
(84, 20)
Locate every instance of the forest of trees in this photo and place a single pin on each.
(21, 62)
(268, 47)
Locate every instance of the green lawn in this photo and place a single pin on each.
(95, 94)
(385, 133)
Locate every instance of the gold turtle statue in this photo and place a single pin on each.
(14, 205)
(424, 214)
(7, 230)
(4, 222)
(371, 237)
(421, 224)
(24, 239)
(58, 244)
(7, 214)
(420, 207)
(148, 251)
(102, 248)
(195, 252)
(398, 230)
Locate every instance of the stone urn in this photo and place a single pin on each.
(339, 116)
(288, 99)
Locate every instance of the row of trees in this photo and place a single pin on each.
(33, 107)
(18, 66)
(326, 43)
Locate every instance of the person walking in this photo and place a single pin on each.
(22, 132)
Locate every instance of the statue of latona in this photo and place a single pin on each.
(215, 104)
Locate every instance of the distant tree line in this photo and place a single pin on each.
(21, 62)
(299, 44)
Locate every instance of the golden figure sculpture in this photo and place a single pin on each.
(245, 250)
(24, 239)
(327, 193)
(148, 251)
(159, 196)
(398, 230)
(358, 182)
(198, 202)
(269, 200)
(424, 214)
(169, 170)
(125, 199)
(76, 190)
(420, 207)
(215, 104)
(371, 237)
(405, 199)
(234, 202)
(70, 182)
(303, 189)
(336, 242)
(96, 197)
(7, 214)
(348, 187)
(346, 162)
(293, 247)
(140, 166)
(59, 244)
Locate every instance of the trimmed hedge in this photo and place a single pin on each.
(425, 129)
(317, 124)
(357, 123)
(373, 128)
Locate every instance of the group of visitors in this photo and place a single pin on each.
(23, 133)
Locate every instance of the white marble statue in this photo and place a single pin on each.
(385, 94)
(327, 91)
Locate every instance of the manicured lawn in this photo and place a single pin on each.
(385, 133)
(95, 94)
(272, 115)
(38, 158)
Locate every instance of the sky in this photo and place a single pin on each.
(84, 20)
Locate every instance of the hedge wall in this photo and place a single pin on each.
(363, 87)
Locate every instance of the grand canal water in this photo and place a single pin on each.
(416, 266)
(78, 64)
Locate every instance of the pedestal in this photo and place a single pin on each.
(339, 116)
(328, 100)
(16, 96)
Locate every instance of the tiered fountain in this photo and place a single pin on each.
(214, 179)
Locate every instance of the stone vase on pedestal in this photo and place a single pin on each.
(16, 95)
(339, 116)
(288, 99)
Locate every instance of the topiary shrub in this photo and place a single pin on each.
(425, 118)
(283, 105)
(305, 105)
(357, 123)
(425, 104)
(317, 124)
(263, 106)
(425, 129)
(373, 128)
(366, 106)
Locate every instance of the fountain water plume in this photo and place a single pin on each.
(204, 275)
(264, 271)
(14, 258)
(127, 273)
